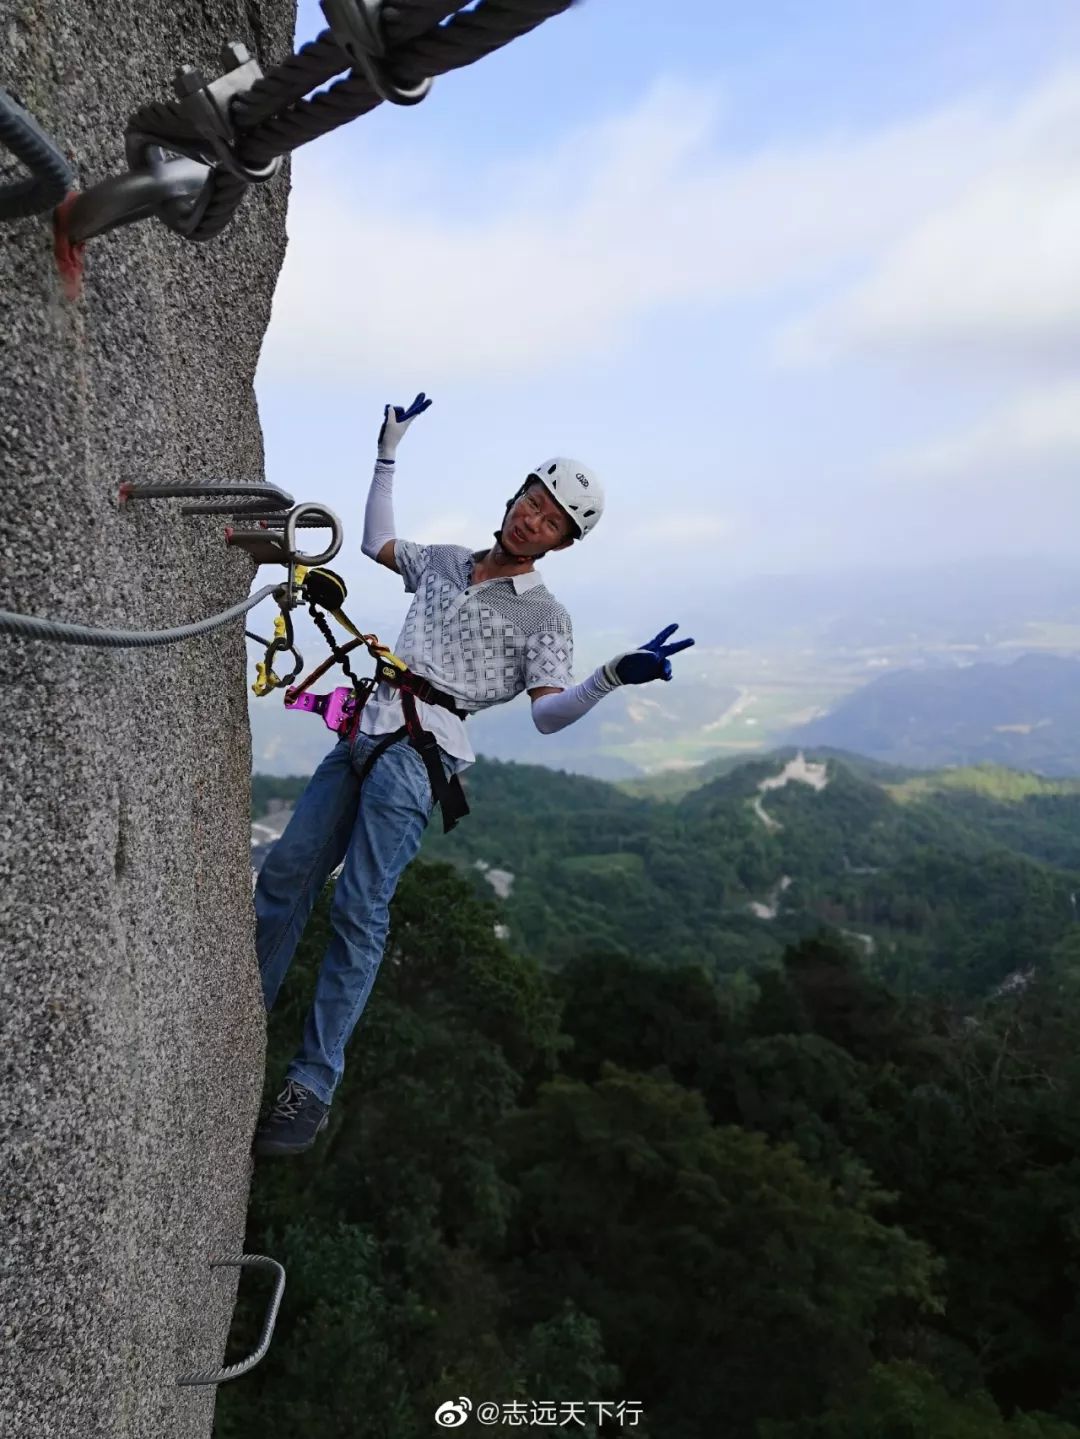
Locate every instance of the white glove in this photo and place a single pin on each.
(396, 421)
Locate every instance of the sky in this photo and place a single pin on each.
(800, 282)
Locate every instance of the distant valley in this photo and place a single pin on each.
(912, 666)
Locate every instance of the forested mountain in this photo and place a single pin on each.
(949, 882)
(1025, 715)
(792, 1209)
(670, 785)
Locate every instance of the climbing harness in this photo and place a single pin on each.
(50, 174)
(191, 160)
(321, 589)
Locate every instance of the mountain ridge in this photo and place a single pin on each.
(1024, 714)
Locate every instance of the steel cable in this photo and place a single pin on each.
(31, 627)
(423, 39)
(50, 175)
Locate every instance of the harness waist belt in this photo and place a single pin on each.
(341, 710)
(424, 690)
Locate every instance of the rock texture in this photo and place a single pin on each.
(131, 1028)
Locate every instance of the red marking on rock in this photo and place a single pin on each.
(68, 253)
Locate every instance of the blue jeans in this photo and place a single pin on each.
(377, 833)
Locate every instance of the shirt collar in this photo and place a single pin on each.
(528, 581)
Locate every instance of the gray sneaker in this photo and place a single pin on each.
(294, 1122)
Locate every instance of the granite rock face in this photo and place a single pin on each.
(131, 1024)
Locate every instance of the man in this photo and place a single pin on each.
(482, 627)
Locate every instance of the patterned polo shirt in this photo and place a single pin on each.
(484, 644)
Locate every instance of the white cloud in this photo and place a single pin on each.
(992, 271)
(689, 530)
(951, 235)
(557, 259)
(1034, 432)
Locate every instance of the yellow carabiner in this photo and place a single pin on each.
(265, 678)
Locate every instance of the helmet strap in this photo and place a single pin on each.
(501, 545)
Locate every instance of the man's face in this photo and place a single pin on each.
(536, 523)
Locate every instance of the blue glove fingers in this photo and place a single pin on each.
(651, 661)
(654, 644)
(418, 406)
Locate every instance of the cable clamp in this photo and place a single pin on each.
(357, 28)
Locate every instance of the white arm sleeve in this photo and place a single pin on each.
(555, 712)
(379, 514)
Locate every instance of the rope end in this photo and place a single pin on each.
(67, 252)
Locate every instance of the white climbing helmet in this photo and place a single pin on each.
(575, 488)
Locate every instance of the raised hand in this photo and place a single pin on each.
(650, 662)
(396, 420)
